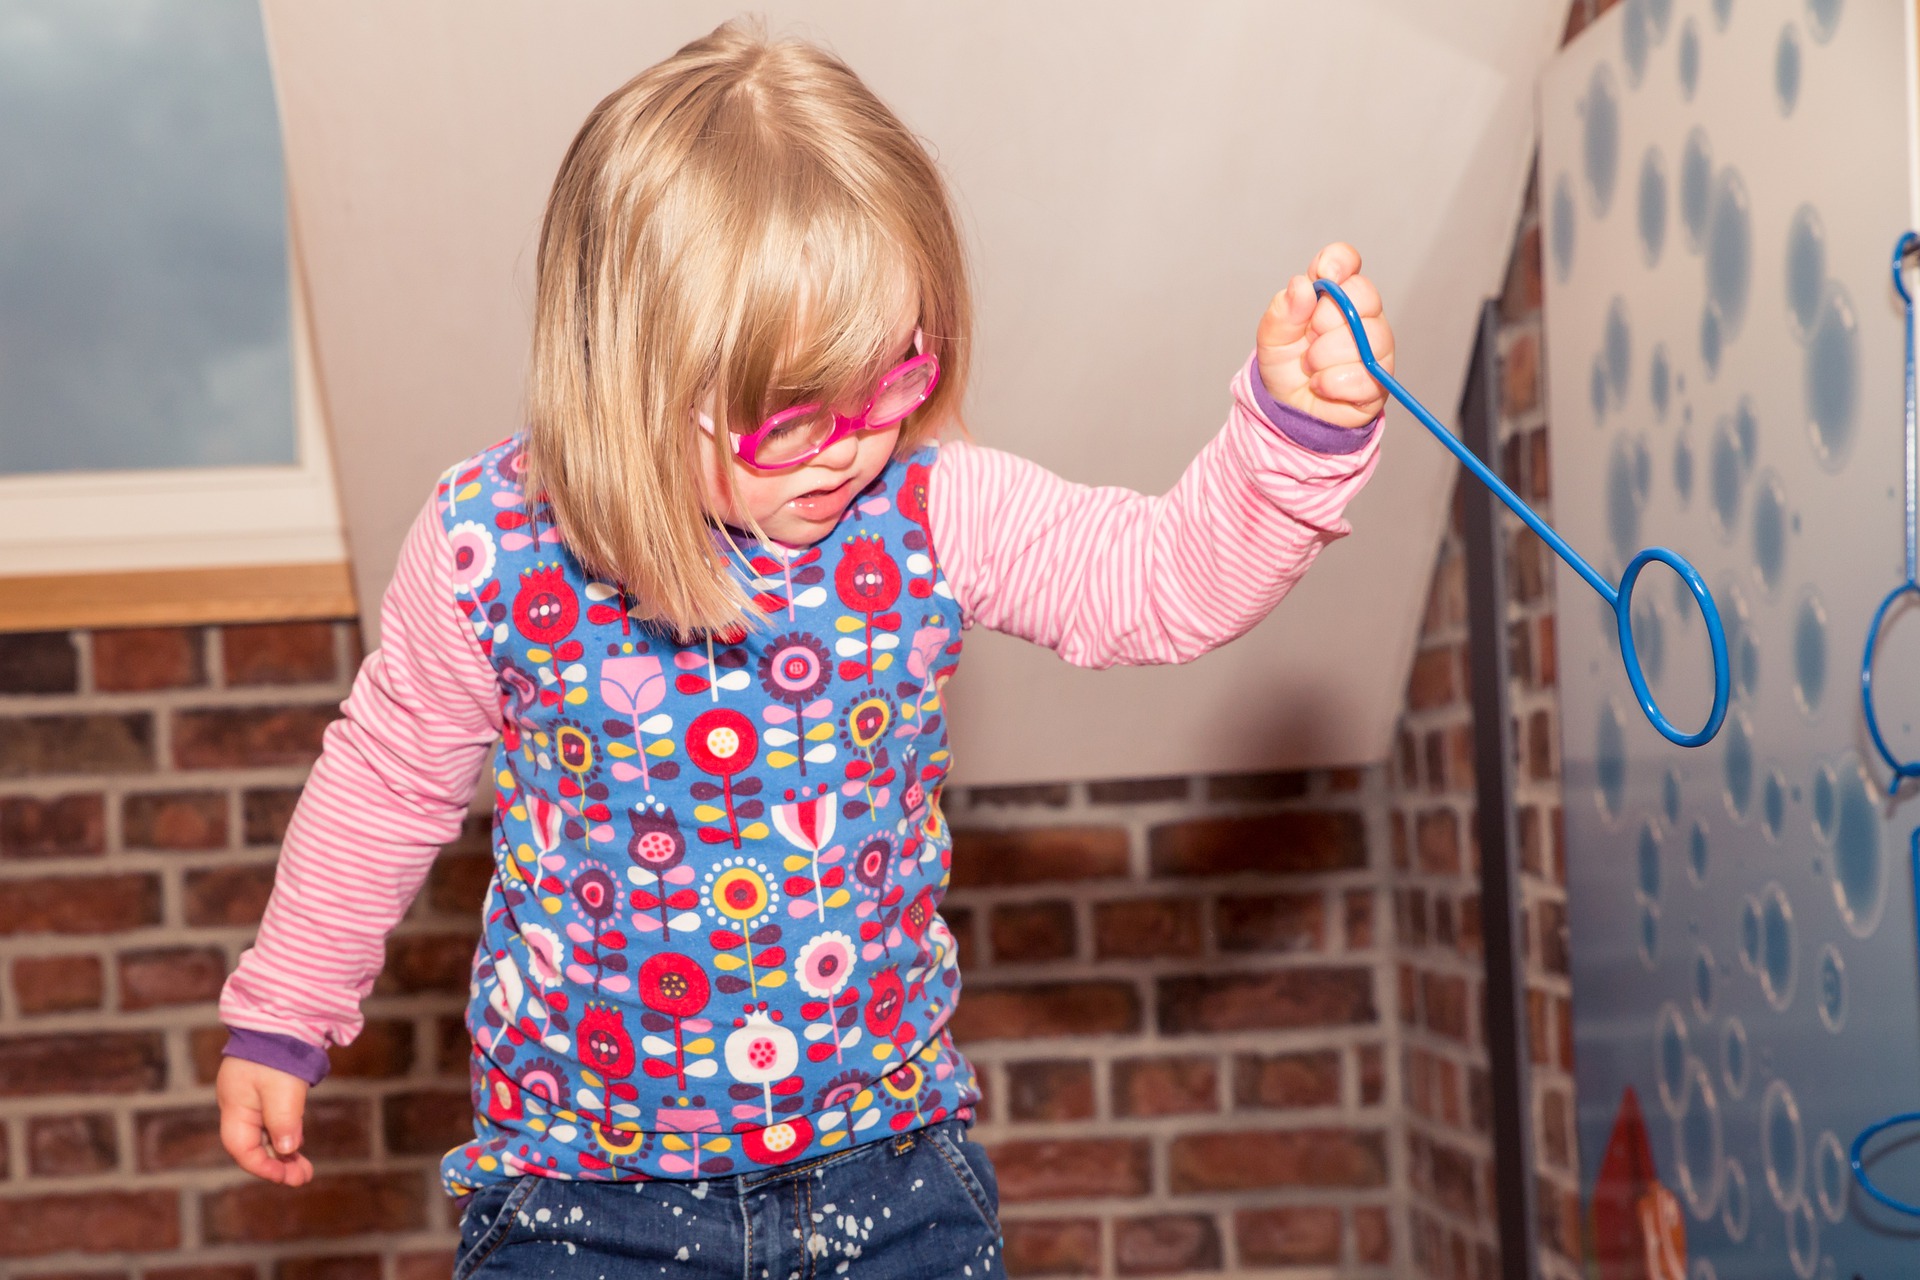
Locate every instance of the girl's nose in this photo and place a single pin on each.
(838, 456)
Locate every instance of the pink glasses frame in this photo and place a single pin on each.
(747, 447)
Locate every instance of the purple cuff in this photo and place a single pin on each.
(283, 1053)
(1304, 429)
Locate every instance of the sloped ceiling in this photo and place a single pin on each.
(1136, 179)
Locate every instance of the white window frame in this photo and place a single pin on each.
(187, 518)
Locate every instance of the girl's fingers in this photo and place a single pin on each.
(281, 1106)
(1336, 262)
(1327, 315)
(1339, 348)
(1286, 320)
(1348, 385)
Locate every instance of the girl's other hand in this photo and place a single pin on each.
(1308, 358)
(258, 1103)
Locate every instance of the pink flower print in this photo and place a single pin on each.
(632, 685)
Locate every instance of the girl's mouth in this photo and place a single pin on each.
(819, 503)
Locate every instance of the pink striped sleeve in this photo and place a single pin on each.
(393, 783)
(1108, 577)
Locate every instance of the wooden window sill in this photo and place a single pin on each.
(177, 597)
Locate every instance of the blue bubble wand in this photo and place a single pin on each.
(1902, 770)
(1620, 599)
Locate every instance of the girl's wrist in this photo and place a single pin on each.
(1303, 428)
(286, 1053)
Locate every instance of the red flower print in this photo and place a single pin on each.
(605, 1045)
(867, 578)
(918, 915)
(545, 608)
(673, 984)
(912, 496)
(722, 742)
(885, 1000)
(777, 1143)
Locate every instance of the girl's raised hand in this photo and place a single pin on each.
(258, 1103)
(1307, 356)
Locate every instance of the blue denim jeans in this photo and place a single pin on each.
(919, 1205)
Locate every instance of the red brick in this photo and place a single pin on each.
(1055, 1169)
(1137, 790)
(264, 813)
(1050, 1246)
(1049, 795)
(1030, 932)
(1373, 1076)
(457, 885)
(171, 976)
(89, 1222)
(1037, 855)
(339, 1266)
(228, 895)
(1265, 1001)
(249, 737)
(279, 653)
(1166, 1244)
(1289, 1236)
(1433, 681)
(1556, 952)
(453, 1047)
(174, 820)
(39, 662)
(1147, 929)
(1453, 1182)
(142, 659)
(1271, 922)
(78, 904)
(1292, 841)
(204, 1045)
(1522, 295)
(68, 1146)
(62, 827)
(1165, 1086)
(1309, 1079)
(382, 1051)
(1549, 653)
(117, 1062)
(428, 1122)
(1050, 1090)
(329, 1207)
(79, 1275)
(1437, 842)
(1245, 1161)
(1445, 999)
(1047, 1009)
(58, 984)
(1372, 1235)
(107, 743)
(1520, 376)
(422, 962)
(1360, 918)
(1446, 596)
(1254, 787)
(1540, 767)
(424, 1266)
(235, 1271)
(960, 924)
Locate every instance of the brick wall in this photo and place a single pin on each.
(145, 779)
(1436, 906)
(1177, 994)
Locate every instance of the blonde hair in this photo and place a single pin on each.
(743, 221)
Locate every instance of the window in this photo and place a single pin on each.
(158, 404)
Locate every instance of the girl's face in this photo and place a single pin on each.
(801, 505)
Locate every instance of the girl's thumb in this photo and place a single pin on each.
(1287, 319)
(281, 1109)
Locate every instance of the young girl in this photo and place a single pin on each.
(701, 613)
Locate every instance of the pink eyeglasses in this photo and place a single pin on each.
(795, 435)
